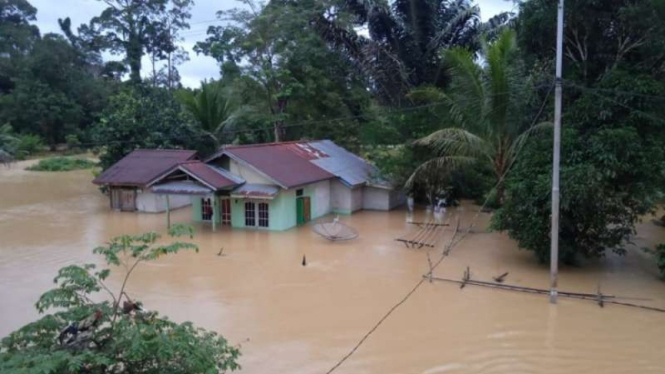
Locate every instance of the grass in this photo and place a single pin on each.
(62, 164)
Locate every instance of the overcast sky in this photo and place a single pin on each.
(203, 15)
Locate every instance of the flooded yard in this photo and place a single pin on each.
(294, 319)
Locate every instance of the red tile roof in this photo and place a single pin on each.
(285, 163)
(142, 166)
(208, 174)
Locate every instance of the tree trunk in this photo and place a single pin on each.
(500, 191)
(134, 54)
(279, 130)
(279, 123)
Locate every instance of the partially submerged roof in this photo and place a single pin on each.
(292, 164)
(213, 176)
(279, 162)
(256, 191)
(350, 168)
(208, 177)
(142, 166)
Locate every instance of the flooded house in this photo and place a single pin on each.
(273, 186)
(128, 180)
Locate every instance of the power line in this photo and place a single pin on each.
(444, 254)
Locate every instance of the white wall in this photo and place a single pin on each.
(247, 173)
(376, 198)
(356, 199)
(340, 197)
(321, 197)
(149, 202)
(344, 199)
(381, 198)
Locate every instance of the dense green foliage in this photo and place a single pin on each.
(290, 74)
(144, 118)
(211, 107)
(62, 164)
(613, 164)
(612, 172)
(485, 111)
(115, 335)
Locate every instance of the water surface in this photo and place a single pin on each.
(294, 319)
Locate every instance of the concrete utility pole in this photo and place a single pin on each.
(554, 250)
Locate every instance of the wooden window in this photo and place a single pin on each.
(250, 214)
(206, 209)
(226, 212)
(264, 215)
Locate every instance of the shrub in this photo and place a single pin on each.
(115, 335)
(62, 164)
(27, 145)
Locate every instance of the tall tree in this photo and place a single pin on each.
(54, 92)
(16, 37)
(613, 171)
(486, 110)
(599, 35)
(290, 73)
(406, 39)
(145, 117)
(134, 26)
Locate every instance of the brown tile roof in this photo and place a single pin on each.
(214, 177)
(283, 163)
(142, 166)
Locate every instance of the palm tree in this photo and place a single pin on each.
(403, 50)
(486, 109)
(211, 108)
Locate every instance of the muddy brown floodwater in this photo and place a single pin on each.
(294, 319)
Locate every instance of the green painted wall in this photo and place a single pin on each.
(196, 209)
(281, 210)
(237, 213)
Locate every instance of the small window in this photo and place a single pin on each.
(264, 218)
(299, 192)
(250, 214)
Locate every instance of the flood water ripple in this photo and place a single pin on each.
(293, 319)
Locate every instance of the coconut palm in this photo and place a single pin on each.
(211, 108)
(486, 109)
(405, 40)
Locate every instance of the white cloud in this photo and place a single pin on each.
(199, 67)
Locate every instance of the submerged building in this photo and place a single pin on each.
(272, 186)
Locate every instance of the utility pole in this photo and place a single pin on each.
(554, 236)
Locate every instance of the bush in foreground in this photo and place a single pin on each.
(115, 336)
(62, 164)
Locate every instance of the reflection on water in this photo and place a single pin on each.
(294, 319)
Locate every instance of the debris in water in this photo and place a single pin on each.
(304, 260)
(221, 252)
(501, 277)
